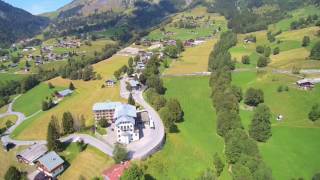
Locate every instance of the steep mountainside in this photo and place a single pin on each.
(87, 7)
(16, 24)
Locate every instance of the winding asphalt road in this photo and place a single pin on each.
(145, 148)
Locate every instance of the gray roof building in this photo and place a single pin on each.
(32, 153)
(125, 110)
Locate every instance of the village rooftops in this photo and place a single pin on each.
(51, 161)
(125, 110)
(105, 106)
(32, 153)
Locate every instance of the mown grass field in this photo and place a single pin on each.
(185, 34)
(189, 152)
(291, 152)
(284, 24)
(8, 159)
(9, 77)
(80, 103)
(88, 164)
(31, 102)
(12, 118)
(291, 51)
(193, 59)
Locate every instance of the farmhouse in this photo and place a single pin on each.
(32, 154)
(64, 93)
(307, 84)
(51, 164)
(110, 83)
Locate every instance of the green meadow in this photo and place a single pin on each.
(291, 152)
(31, 101)
(9, 77)
(189, 152)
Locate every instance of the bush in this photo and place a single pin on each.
(262, 62)
(103, 123)
(13, 174)
(253, 97)
(315, 51)
(260, 49)
(245, 59)
(280, 88)
(314, 114)
(276, 51)
(267, 51)
(120, 153)
(305, 41)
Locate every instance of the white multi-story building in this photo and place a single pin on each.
(124, 119)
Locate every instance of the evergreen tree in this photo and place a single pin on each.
(315, 51)
(131, 100)
(67, 123)
(120, 153)
(130, 62)
(305, 41)
(12, 174)
(245, 59)
(314, 114)
(260, 127)
(218, 163)
(53, 135)
(45, 106)
(71, 86)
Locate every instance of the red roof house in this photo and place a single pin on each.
(115, 172)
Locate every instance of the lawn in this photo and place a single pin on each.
(12, 118)
(8, 159)
(284, 152)
(291, 51)
(194, 59)
(284, 24)
(184, 34)
(9, 77)
(80, 103)
(88, 164)
(31, 101)
(189, 152)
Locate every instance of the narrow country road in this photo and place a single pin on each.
(139, 150)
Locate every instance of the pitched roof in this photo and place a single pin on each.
(133, 83)
(125, 110)
(105, 106)
(124, 119)
(115, 172)
(33, 152)
(51, 160)
(65, 92)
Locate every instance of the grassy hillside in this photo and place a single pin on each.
(205, 28)
(284, 147)
(80, 103)
(189, 152)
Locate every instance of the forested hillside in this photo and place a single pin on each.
(17, 24)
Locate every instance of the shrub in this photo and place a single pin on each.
(262, 62)
(253, 97)
(314, 114)
(276, 51)
(120, 153)
(245, 59)
(260, 49)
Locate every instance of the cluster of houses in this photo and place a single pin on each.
(69, 43)
(48, 163)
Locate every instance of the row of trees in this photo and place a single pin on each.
(241, 150)
(56, 129)
(304, 22)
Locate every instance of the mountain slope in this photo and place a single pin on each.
(16, 24)
(87, 7)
